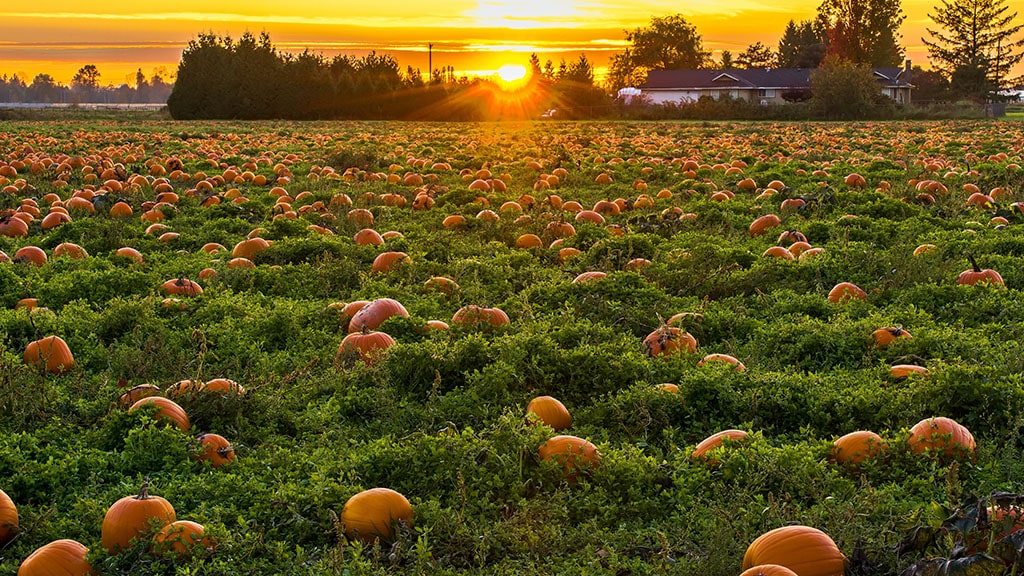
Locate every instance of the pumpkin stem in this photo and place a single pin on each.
(225, 450)
(365, 330)
(974, 263)
(144, 490)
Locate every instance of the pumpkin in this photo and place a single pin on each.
(180, 537)
(70, 250)
(763, 224)
(13, 227)
(132, 516)
(667, 341)
(854, 448)
(372, 514)
(846, 291)
(855, 181)
(529, 242)
(550, 412)
(368, 237)
(167, 411)
(885, 336)
(779, 252)
(215, 449)
(58, 558)
(904, 370)
(768, 570)
(8, 518)
(702, 450)
(668, 388)
(942, 435)
(435, 325)
(368, 345)
(30, 255)
(924, 248)
(181, 287)
(137, 393)
(441, 284)
(575, 455)
(478, 317)
(52, 352)
(587, 277)
(375, 313)
(804, 550)
(130, 253)
(183, 388)
(223, 386)
(976, 275)
(724, 358)
(389, 261)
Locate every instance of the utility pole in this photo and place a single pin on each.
(430, 62)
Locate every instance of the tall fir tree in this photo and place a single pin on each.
(975, 46)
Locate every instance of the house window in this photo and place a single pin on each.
(767, 93)
(734, 94)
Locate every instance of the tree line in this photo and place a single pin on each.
(85, 88)
(248, 78)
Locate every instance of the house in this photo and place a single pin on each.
(759, 85)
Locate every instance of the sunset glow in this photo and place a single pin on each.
(476, 37)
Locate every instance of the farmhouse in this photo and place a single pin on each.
(759, 85)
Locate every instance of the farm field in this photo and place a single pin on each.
(664, 281)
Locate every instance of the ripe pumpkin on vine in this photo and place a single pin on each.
(887, 335)
(180, 538)
(667, 341)
(167, 411)
(575, 455)
(131, 517)
(181, 286)
(479, 317)
(853, 449)
(376, 313)
(58, 558)
(977, 275)
(215, 449)
(366, 344)
(803, 549)
(52, 352)
(373, 513)
(944, 436)
(8, 518)
(550, 411)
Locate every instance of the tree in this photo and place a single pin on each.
(668, 43)
(975, 45)
(87, 77)
(929, 85)
(43, 89)
(757, 55)
(845, 90)
(802, 45)
(863, 31)
(727, 62)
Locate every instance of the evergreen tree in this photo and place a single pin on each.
(976, 45)
(757, 55)
(802, 45)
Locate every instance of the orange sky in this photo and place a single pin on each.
(474, 36)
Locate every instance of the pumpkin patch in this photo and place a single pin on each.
(244, 336)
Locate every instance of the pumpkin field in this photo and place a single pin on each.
(511, 348)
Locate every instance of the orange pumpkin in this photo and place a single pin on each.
(575, 454)
(763, 224)
(368, 345)
(667, 341)
(702, 450)
(180, 538)
(215, 449)
(181, 287)
(368, 237)
(249, 248)
(846, 291)
(8, 518)
(52, 352)
(804, 550)
(942, 435)
(70, 250)
(371, 316)
(131, 517)
(768, 570)
(58, 558)
(478, 317)
(137, 393)
(904, 370)
(854, 448)
(976, 275)
(372, 514)
(885, 336)
(441, 284)
(550, 412)
(587, 277)
(725, 358)
(167, 411)
(389, 261)
(30, 255)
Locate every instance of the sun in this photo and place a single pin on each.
(512, 76)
